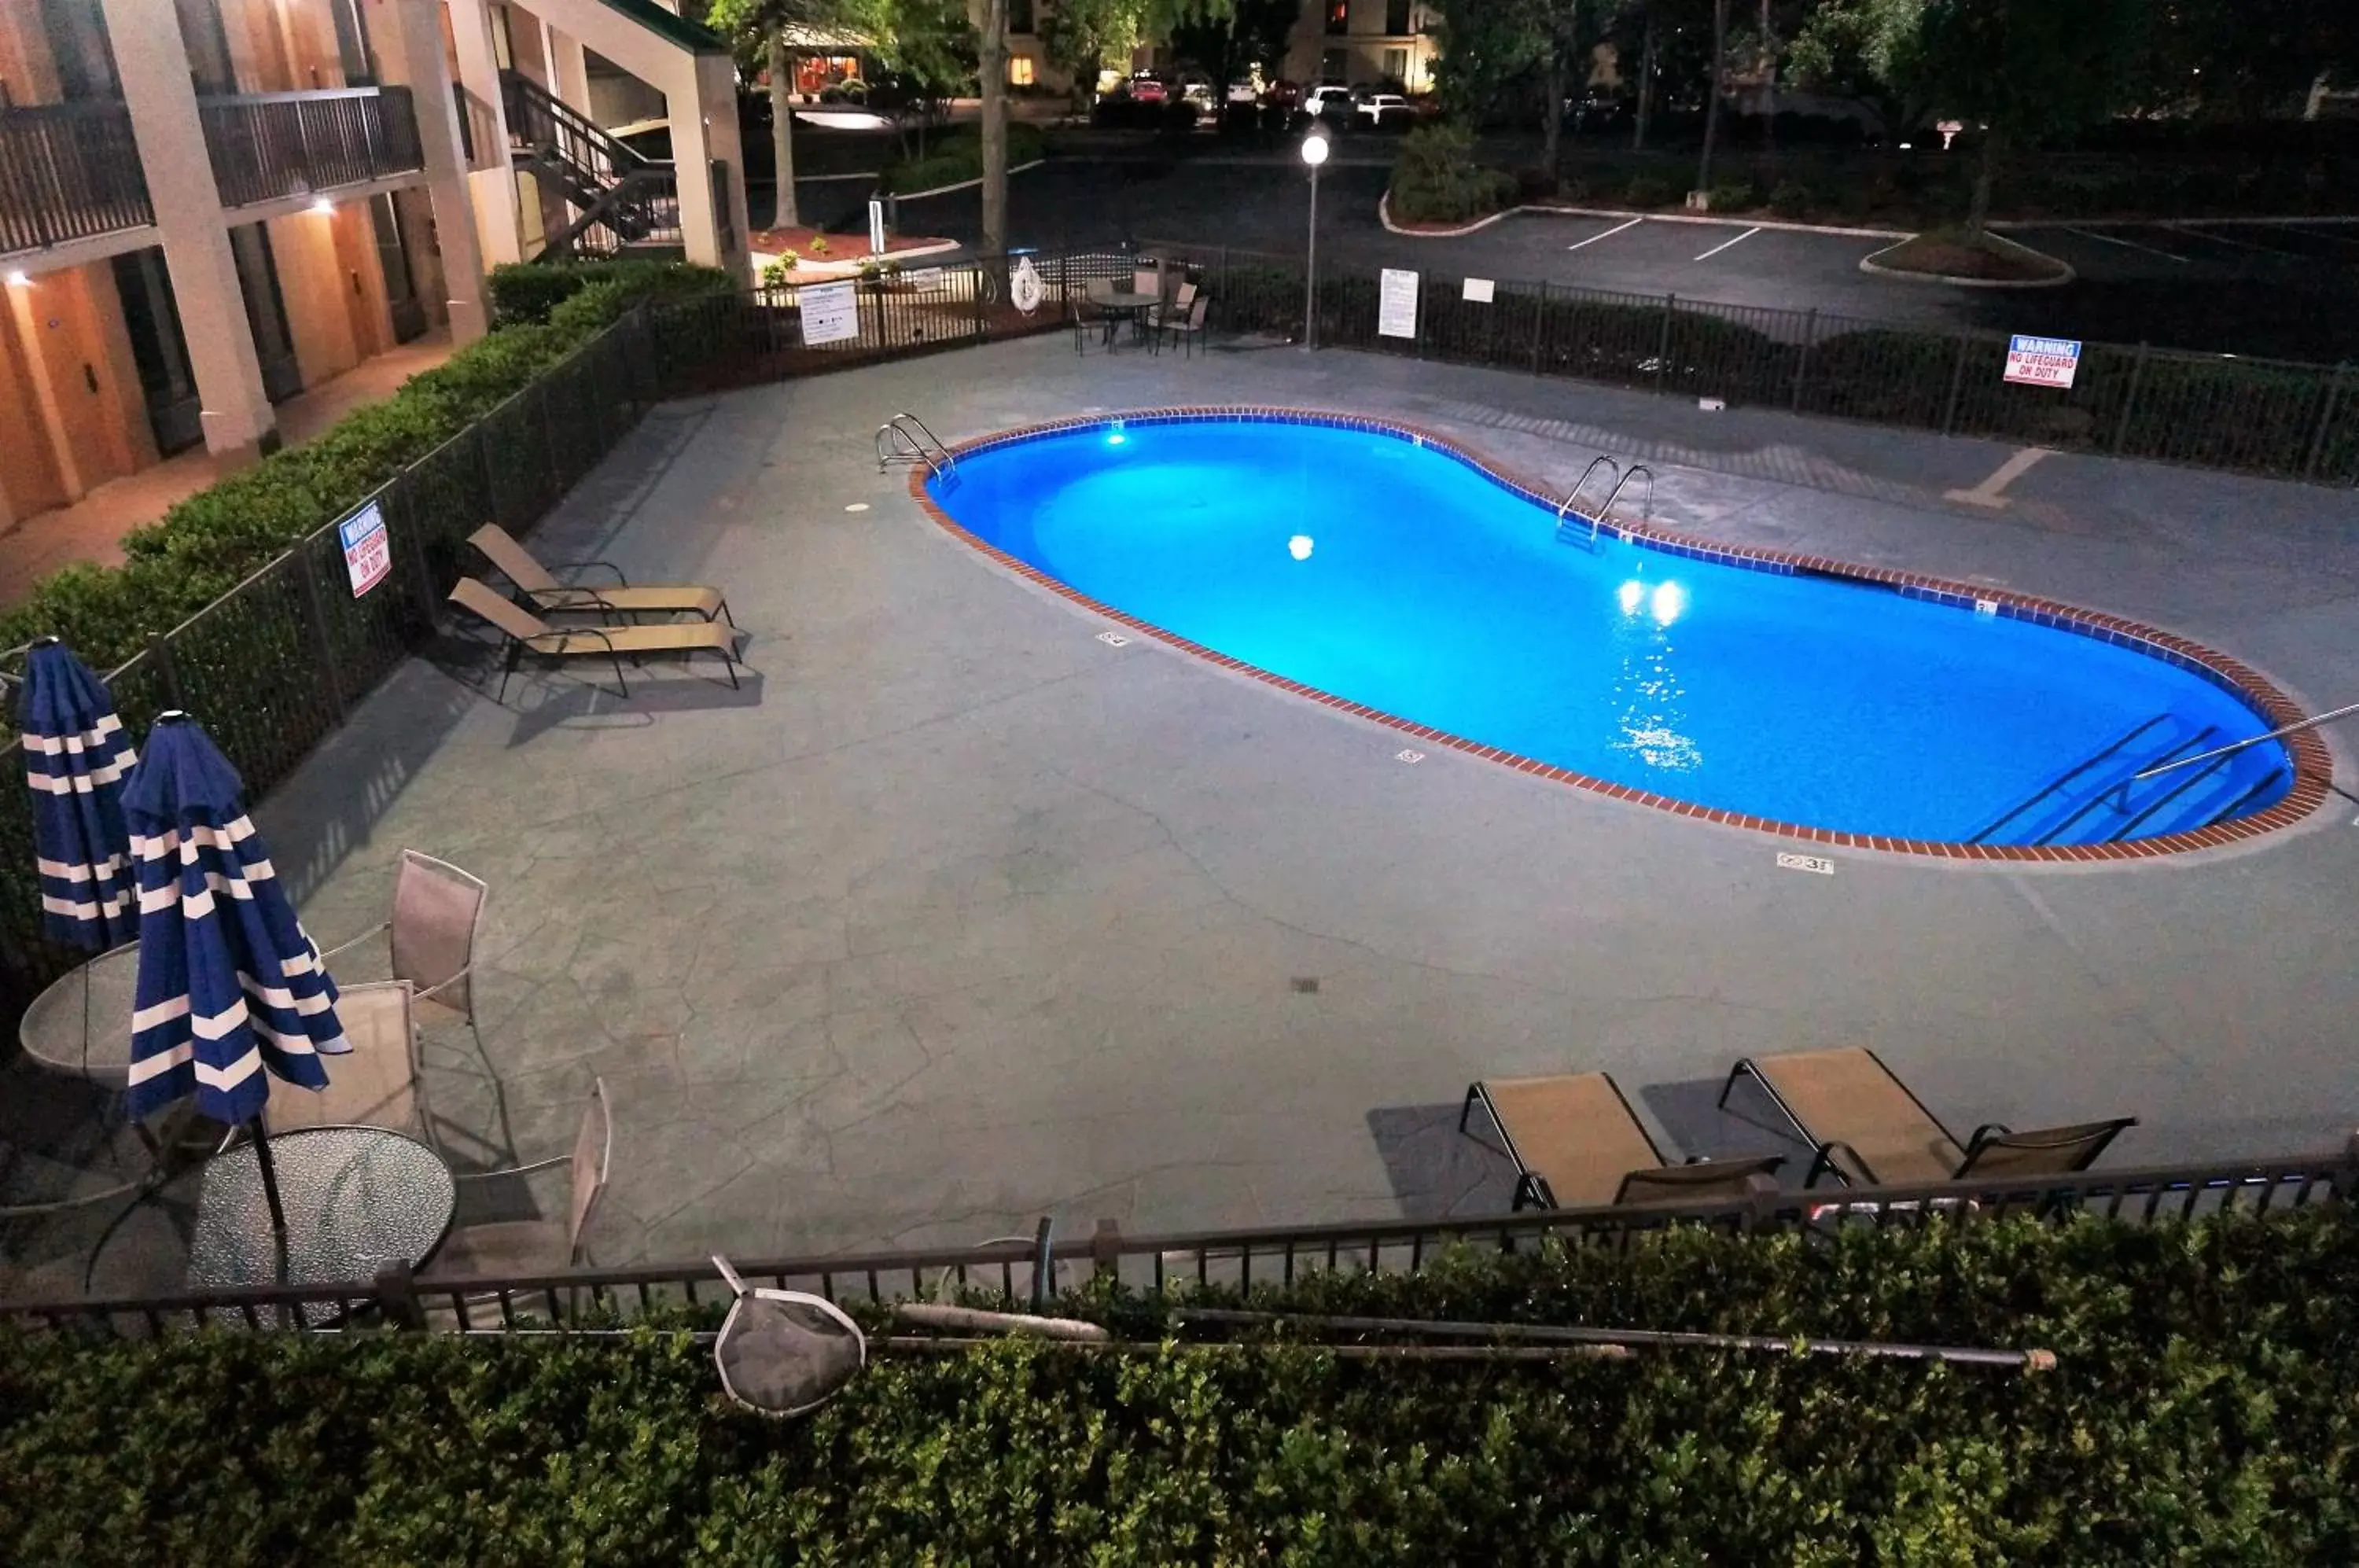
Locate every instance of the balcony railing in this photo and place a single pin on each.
(68, 171)
(266, 147)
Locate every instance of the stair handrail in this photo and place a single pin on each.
(567, 123)
(1645, 511)
(1601, 461)
(2277, 734)
(635, 193)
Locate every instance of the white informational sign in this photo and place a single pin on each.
(1397, 304)
(368, 553)
(1478, 290)
(831, 313)
(923, 278)
(2042, 361)
(1024, 287)
(875, 226)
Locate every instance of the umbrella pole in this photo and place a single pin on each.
(269, 1178)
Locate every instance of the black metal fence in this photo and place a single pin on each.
(2277, 418)
(273, 666)
(268, 145)
(69, 171)
(1018, 1273)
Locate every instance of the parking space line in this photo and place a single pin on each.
(2224, 239)
(2125, 244)
(1725, 244)
(1607, 234)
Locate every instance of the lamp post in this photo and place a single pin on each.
(1314, 153)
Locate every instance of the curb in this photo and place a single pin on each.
(2164, 222)
(1384, 216)
(962, 185)
(1867, 263)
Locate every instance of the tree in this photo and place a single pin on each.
(764, 25)
(1082, 36)
(1487, 46)
(1251, 32)
(1713, 91)
(2025, 71)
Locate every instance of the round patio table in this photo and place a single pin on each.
(1119, 305)
(81, 1023)
(356, 1199)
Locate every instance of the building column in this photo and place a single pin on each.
(498, 222)
(414, 53)
(569, 72)
(238, 423)
(700, 102)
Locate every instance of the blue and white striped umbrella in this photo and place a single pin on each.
(228, 982)
(76, 755)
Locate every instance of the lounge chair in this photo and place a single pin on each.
(551, 598)
(1577, 1144)
(527, 634)
(1869, 1129)
(376, 1082)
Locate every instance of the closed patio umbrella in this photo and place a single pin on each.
(229, 983)
(76, 755)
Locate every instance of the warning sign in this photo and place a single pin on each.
(368, 554)
(2042, 361)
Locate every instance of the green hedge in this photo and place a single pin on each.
(1436, 180)
(2205, 1410)
(205, 544)
(956, 156)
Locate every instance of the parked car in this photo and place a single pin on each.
(1242, 90)
(1198, 91)
(1317, 100)
(1149, 89)
(1283, 95)
(1382, 109)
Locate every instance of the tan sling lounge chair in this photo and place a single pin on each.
(1869, 1129)
(527, 634)
(1578, 1145)
(551, 598)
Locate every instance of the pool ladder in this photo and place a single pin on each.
(1622, 478)
(904, 439)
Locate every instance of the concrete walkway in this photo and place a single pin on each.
(92, 530)
(957, 916)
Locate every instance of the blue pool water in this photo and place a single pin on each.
(1389, 573)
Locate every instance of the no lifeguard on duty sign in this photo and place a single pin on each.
(2042, 361)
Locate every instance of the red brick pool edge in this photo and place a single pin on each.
(2314, 765)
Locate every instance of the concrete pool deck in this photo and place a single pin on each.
(957, 915)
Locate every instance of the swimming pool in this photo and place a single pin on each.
(1393, 576)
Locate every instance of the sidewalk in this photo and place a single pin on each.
(92, 527)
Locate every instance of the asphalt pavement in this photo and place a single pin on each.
(2290, 290)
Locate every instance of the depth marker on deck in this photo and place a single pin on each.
(1114, 639)
(1788, 862)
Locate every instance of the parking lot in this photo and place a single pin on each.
(2285, 289)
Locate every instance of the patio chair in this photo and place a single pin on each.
(1186, 322)
(374, 1085)
(1868, 1128)
(528, 635)
(545, 594)
(1147, 279)
(1577, 1144)
(505, 1248)
(438, 913)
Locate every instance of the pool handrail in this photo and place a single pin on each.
(1646, 511)
(1601, 461)
(914, 448)
(2310, 723)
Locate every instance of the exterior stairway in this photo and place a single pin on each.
(616, 201)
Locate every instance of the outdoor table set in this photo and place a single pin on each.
(1117, 305)
(204, 989)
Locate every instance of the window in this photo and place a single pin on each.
(1339, 16)
(1019, 70)
(1397, 19)
(1396, 69)
(1019, 16)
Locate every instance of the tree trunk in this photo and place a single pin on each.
(991, 65)
(1712, 91)
(1552, 114)
(782, 131)
(1768, 84)
(1645, 85)
(1985, 176)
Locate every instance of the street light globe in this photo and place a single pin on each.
(1314, 149)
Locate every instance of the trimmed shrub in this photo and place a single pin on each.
(527, 291)
(1436, 180)
(1647, 190)
(1791, 198)
(2199, 1412)
(1732, 196)
(956, 156)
